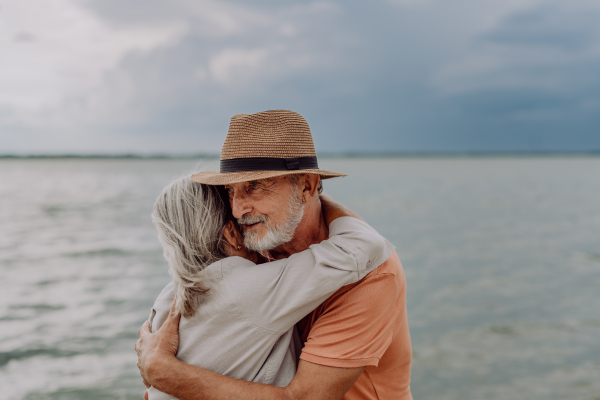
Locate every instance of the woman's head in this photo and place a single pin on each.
(190, 218)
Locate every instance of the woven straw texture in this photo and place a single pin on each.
(273, 134)
(277, 133)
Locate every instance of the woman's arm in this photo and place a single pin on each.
(278, 294)
(333, 210)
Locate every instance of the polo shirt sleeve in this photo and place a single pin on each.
(356, 326)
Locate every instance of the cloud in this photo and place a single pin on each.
(205, 71)
(410, 3)
(67, 51)
(534, 64)
(120, 75)
(24, 37)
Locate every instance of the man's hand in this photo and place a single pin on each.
(160, 368)
(156, 350)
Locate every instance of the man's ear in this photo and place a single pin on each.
(231, 234)
(310, 187)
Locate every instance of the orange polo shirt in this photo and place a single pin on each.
(365, 324)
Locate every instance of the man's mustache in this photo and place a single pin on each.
(249, 220)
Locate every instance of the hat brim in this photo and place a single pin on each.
(228, 178)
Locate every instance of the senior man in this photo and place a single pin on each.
(357, 343)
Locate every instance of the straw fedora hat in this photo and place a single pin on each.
(265, 145)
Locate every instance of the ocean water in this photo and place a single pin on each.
(502, 258)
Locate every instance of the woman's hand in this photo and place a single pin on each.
(333, 210)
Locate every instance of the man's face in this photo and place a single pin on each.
(267, 210)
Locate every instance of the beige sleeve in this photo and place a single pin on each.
(278, 294)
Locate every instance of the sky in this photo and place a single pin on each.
(165, 76)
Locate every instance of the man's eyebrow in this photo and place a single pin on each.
(264, 182)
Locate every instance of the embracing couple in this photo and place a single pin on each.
(278, 291)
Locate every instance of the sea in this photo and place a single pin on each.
(501, 254)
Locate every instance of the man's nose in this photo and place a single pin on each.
(239, 205)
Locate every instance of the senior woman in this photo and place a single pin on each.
(239, 312)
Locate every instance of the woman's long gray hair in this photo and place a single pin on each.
(190, 218)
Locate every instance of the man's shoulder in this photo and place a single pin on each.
(391, 266)
(354, 326)
(389, 270)
(167, 294)
(377, 286)
(389, 274)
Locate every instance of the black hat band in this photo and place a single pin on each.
(268, 164)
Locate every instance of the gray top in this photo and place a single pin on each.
(244, 327)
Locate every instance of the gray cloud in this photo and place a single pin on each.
(394, 76)
(549, 25)
(24, 37)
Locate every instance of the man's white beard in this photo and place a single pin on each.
(277, 235)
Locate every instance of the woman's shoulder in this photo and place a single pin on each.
(161, 307)
(167, 293)
(213, 272)
(232, 263)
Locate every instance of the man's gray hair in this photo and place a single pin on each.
(190, 218)
(295, 178)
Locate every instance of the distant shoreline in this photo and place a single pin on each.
(466, 154)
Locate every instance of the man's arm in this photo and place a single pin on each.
(161, 369)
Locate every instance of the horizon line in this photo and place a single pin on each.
(347, 154)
